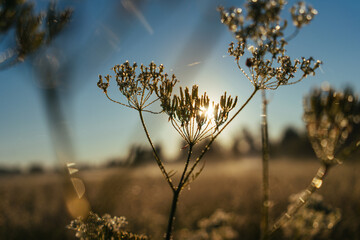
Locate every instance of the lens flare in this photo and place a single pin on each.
(209, 112)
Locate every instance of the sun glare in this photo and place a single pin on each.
(209, 112)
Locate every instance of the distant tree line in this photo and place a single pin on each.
(293, 145)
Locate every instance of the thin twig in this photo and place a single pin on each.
(158, 161)
(293, 35)
(181, 182)
(242, 70)
(117, 101)
(151, 103)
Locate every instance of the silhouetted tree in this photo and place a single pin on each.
(36, 168)
(293, 144)
(290, 141)
(9, 171)
(139, 156)
(244, 145)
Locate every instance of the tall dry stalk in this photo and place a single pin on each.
(265, 169)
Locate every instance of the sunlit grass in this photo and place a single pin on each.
(31, 207)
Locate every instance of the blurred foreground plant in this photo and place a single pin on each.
(105, 227)
(313, 220)
(260, 36)
(217, 226)
(192, 115)
(330, 116)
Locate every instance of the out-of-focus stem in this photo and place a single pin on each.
(315, 184)
(265, 169)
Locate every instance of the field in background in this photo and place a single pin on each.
(32, 206)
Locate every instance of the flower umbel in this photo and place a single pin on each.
(302, 14)
(261, 33)
(193, 116)
(330, 116)
(138, 89)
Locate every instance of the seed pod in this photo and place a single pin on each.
(249, 62)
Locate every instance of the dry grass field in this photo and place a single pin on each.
(32, 206)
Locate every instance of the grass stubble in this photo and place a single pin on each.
(31, 206)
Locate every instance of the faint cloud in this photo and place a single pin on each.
(112, 38)
(129, 6)
(193, 64)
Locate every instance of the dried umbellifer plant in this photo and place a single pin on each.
(260, 35)
(94, 227)
(330, 117)
(192, 115)
(259, 31)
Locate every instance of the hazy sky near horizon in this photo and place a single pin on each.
(188, 38)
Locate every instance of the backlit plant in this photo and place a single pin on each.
(192, 115)
(313, 220)
(260, 35)
(329, 116)
(106, 227)
(261, 48)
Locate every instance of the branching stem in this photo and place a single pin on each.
(207, 147)
(176, 195)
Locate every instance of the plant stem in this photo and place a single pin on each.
(182, 182)
(176, 194)
(265, 169)
(303, 199)
(170, 227)
(185, 176)
(293, 35)
(157, 158)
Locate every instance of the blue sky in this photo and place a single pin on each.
(188, 38)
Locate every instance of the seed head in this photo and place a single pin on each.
(139, 88)
(194, 116)
(330, 116)
(259, 29)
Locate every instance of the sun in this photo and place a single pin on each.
(209, 112)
